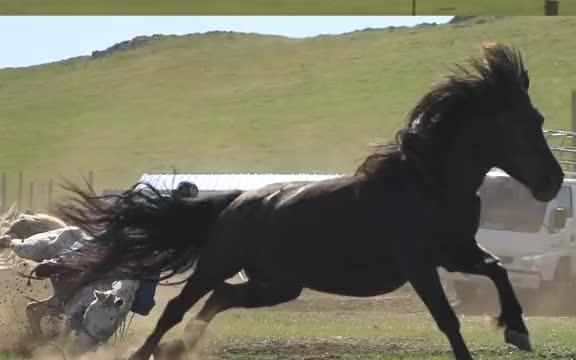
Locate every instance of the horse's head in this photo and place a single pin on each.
(515, 135)
(486, 117)
(103, 315)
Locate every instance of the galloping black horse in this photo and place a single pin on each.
(410, 207)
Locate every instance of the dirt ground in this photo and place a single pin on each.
(15, 293)
(403, 301)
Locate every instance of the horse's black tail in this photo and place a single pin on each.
(140, 233)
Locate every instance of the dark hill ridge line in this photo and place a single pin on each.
(146, 40)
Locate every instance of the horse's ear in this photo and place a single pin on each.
(100, 295)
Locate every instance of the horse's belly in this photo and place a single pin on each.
(360, 280)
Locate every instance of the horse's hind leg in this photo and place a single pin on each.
(247, 295)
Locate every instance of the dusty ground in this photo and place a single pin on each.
(13, 299)
(316, 326)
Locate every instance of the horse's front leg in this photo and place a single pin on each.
(510, 317)
(426, 282)
(193, 291)
(37, 310)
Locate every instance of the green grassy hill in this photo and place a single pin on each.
(256, 7)
(243, 102)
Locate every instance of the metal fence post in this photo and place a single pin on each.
(551, 7)
(3, 189)
(31, 194)
(20, 191)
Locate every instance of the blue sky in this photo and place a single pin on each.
(31, 40)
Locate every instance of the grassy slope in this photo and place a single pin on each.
(254, 7)
(232, 102)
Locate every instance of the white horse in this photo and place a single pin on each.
(97, 312)
(93, 313)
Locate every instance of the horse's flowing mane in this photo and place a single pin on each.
(493, 81)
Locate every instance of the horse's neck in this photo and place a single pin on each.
(460, 189)
(462, 174)
(459, 209)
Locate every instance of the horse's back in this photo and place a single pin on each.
(324, 210)
(327, 227)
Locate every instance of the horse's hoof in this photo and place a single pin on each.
(518, 339)
(173, 350)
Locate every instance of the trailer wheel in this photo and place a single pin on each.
(466, 297)
(563, 273)
(475, 299)
(556, 297)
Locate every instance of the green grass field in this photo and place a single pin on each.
(250, 103)
(370, 335)
(275, 7)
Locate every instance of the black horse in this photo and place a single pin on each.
(410, 207)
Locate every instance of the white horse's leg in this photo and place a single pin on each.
(43, 246)
(34, 251)
(37, 310)
(243, 276)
